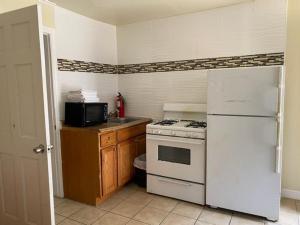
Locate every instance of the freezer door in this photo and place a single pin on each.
(241, 165)
(244, 91)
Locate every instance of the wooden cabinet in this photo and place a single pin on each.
(140, 143)
(126, 155)
(80, 165)
(129, 132)
(107, 139)
(127, 152)
(97, 162)
(109, 169)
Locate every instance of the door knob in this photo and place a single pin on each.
(39, 149)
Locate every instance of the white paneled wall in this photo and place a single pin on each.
(81, 38)
(253, 27)
(146, 93)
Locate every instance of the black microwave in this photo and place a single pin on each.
(85, 114)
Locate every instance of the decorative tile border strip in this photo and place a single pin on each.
(268, 59)
(82, 66)
(203, 64)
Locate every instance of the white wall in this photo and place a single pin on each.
(249, 28)
(146, 93)
(291, 149)
(81, 38)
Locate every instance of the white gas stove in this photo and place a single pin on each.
(178, 128)
(176, 153)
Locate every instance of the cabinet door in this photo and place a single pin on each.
(126, 155)
(140, 142)
(109, 169)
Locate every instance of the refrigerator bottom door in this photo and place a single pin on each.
(241, 165)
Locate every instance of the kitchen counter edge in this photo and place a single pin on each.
(108, 126)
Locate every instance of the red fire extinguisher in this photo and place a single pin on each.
(120, 105)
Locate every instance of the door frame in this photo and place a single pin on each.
(56, 157)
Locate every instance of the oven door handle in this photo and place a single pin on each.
(174, 182)
(176, 139)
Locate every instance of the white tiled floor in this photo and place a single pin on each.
(133, 206)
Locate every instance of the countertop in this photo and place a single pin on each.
(110, 126)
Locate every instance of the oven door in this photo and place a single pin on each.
(175, 157)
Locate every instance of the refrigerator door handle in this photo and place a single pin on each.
(277, 159)
(279, 118)
(278, 145)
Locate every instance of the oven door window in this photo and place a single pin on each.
(174, 154)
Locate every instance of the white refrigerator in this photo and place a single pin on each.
(244, 139)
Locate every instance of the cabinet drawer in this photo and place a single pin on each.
(107, 139)
(130, 132)
(173, 188)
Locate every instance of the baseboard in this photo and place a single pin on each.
(290, 194)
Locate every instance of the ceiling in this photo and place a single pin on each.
(121, 12)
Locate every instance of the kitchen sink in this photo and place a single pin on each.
(122, 120)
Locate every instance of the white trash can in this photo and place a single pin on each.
(139, 164)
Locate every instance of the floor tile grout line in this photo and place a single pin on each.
(82, 206)
(172, 212)
(201, 212)
(230, 219)
(125, 200)
(109, 211)
(61, 221)
(215, 209)
(69, 217)
(144, 207)
(169, 213)
(298, 213)
(183, 216)
(137, 221)
(70, 214)
(127, 216)
(106, 212)
(63, 199)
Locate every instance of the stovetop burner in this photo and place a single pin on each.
(196, 124)
(166, 122)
